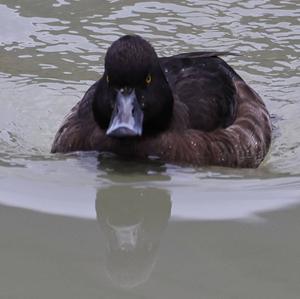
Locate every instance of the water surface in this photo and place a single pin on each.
(89, 226)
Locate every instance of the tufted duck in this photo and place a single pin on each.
(189, 108)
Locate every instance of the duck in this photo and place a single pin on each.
(190, 108)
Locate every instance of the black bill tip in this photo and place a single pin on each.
(120, 132)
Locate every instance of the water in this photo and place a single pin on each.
(88, 226)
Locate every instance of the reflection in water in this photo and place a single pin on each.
(133, 220)
(119, 169)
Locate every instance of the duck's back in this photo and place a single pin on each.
(204, 83)
(228, 123)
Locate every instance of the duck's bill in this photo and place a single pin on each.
(127, 116)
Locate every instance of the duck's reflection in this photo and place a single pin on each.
(133, 220)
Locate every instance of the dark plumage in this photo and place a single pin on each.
(189, 108)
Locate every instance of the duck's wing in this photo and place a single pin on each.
(245, 143)
(172, 65)
(204, 83)
(79, 130)
(244, 138)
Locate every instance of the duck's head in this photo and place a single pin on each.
(133, 98)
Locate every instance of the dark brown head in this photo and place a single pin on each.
(133, 98)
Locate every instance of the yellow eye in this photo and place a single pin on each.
(148, 79)
(107, 79)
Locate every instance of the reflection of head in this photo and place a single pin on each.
(133, 220)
